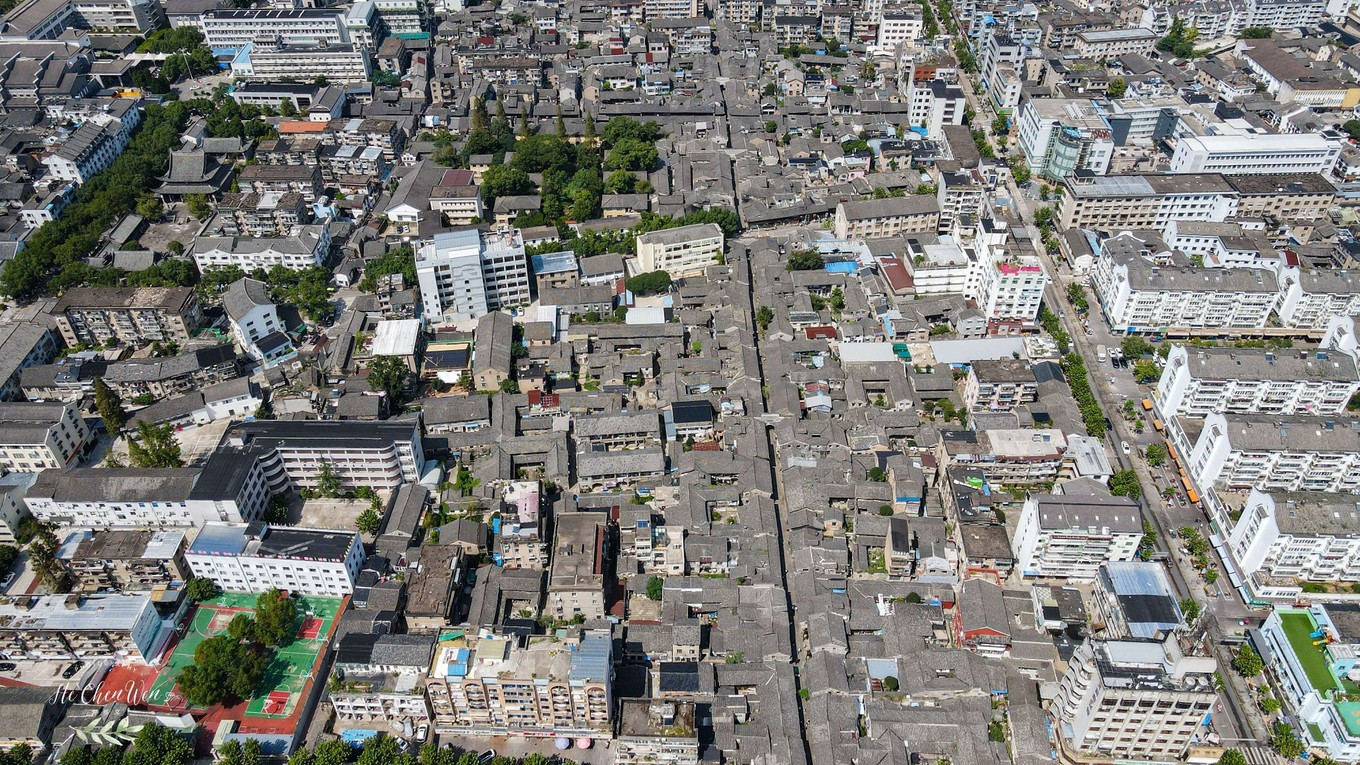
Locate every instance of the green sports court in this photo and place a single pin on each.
(289, 669)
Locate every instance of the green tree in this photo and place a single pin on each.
(155, 446)
(399, 260)
(624, 128)
(368, 522)
(1190, 609)
(1124, 483)
(1247, 662)
(1019, 170)
(388, 374)
(1155, 454)
(764, 316)
(1285, 741)
(804, 260)
(1001, 126)
(1233, 757)
(158, 745)
(650, 283)
(198, 206)
(332, 752)
(201, 588)
(327, 482)
(504, 181)
(1117, 87)
(1146, 371)
(620, 182)
(1352, 127)
(890, 684)
(877, 474)
(110, 407)
(655, 586)
(632, 154)
(149, 206)
(1256, 33)
(1136, 347)
(224, 668)
(275, 618)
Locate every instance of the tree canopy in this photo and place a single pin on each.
(650, 283)
(201, 588)
(399, 260)
(155, 446)
(1125, 483)
(110, 407)
(224, 668)
(275, 618)
(804, 260)
(388, 374)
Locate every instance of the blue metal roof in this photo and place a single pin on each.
(591, 662)
(219, 540)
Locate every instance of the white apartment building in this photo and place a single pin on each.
(1062, 135)
(1113, 43)
(231, 487)
(657, 732)
(12, 508)
(90, 150)
(945, 268)
(1135, 202)
(1015, 291)
(1221, 245)
(36, 437)
(1009, 457)
(1256, 154)
(671, 9)
(250, 557)
(467, 274)
(1134, 700)
(255, 322)
(270, 62)
(304, 247)
(119, 627)
(1286, 538)
(1315, 702)
(1270, 452)
(680, 252)
(39, 20)
(1281, 14)
(1310, 299)
(521, 541)
(382, 455)
(1198, 381)
(1138, 296)
(936, 103)
(899, 26)
(739, 11)
(1069, 537)
(882, 218)
(497, 685)
(234, 29)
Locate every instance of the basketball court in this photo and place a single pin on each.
(289, 670)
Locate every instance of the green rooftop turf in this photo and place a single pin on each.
(1298, 625)
(289, 668)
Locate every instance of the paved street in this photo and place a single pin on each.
(1224, 610)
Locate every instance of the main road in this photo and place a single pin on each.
(1223, 612)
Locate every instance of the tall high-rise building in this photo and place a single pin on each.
(467, 274)
(1134, 699)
